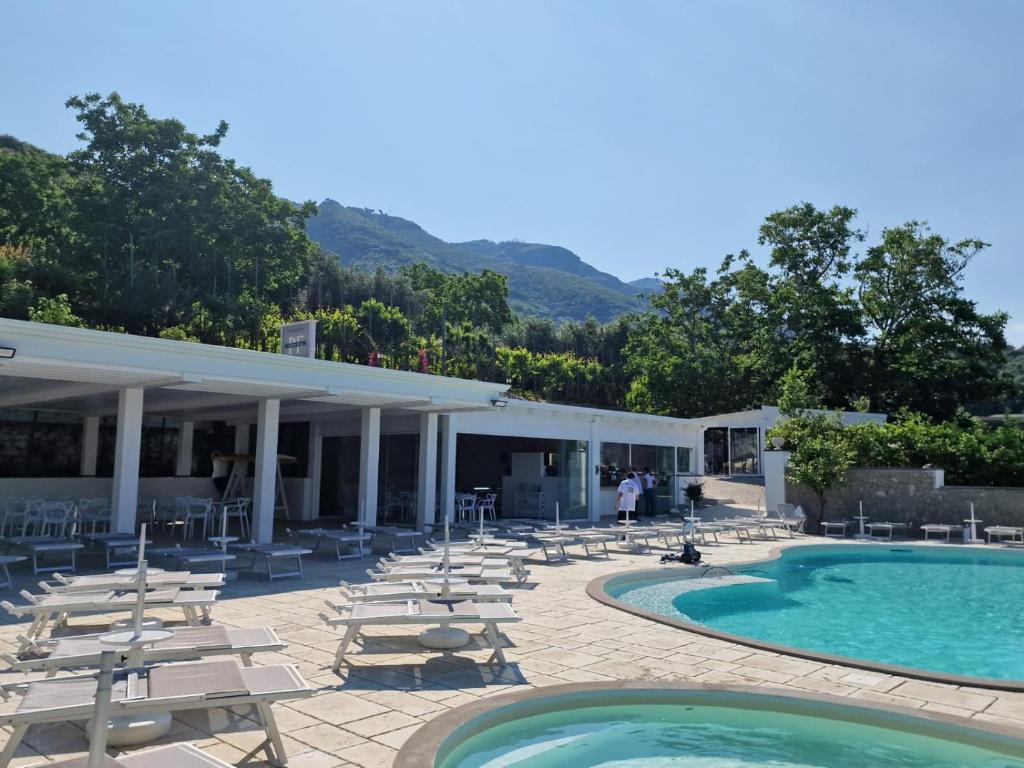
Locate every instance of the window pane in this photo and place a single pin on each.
(684, 460)
(614, 463)
(644, 456)
(743, 451)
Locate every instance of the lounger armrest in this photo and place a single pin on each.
(11, 608)
(29, 597)
(62, 579)
(334, 621)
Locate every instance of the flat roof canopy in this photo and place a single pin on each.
(79, 370)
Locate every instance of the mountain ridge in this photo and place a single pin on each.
(544, 280)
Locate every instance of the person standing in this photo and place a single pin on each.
(649, 481)
(221, 470)
(625, 501)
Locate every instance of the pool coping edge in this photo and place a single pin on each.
(596, 590)
(421, 749)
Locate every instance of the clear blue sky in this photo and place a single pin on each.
(639, 134)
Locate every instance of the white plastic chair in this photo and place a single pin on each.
(196, 510)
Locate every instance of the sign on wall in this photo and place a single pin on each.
(299, 339)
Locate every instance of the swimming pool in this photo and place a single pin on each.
(633, 725)
(944, 611)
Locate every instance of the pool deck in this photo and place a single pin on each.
(362, 716)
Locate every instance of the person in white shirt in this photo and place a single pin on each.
(649, 481)
(625, 502)
(221, 470)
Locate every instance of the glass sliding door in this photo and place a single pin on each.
(744, 451)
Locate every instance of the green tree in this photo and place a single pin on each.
(55, 311)
(931, 349)
(164, 221)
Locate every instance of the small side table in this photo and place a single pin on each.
(6, 560)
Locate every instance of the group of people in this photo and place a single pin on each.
(636, 486)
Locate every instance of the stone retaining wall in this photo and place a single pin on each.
(914, 496)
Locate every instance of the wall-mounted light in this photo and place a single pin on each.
(499, 403)
(6, 353)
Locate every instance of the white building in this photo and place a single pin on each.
(370, 444)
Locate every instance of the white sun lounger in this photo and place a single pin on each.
(887, 528)
(944, 530)
(186, 644)
(474, 557)
(401, 539)
(38, 547)
(414, 590)
(271, 553)
(105, 581)
(115, 546)
(342, 540)
(1002, 531)
(193, 556)
(419, 613)
(594, 537)
(827, 526)
(57, 608)
(174, 756)
(164, 688)
(476, 573)
(636, 536)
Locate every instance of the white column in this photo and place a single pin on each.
(774, 468)
(449, 442)
(426, 480)
(263, 492)
(124, 496)
(183, 467)
(90, 446)
(593, 476)
(369, 464)
(314, 470)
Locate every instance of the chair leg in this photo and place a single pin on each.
(273, 734)
(12, 743)
(492, 635)
(350, 634)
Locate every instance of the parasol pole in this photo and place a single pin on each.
(446, 560)
(140, 583)
(101, 712)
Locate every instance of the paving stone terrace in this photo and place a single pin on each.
(362, 716)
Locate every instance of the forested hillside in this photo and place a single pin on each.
(544, 280)
(147, 228)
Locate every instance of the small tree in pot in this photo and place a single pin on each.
(694, 492)
(821, 454)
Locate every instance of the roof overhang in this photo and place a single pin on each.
(82, 370)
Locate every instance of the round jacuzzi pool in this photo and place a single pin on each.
(934, 612)
(635, 725)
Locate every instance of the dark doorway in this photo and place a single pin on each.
(716, 451)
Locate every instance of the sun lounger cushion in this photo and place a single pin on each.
(69, 692)
(176, 756)
(263, 681)
(222, 678)
(444, 608)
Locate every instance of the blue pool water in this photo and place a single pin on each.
(695, 736)
(938, 609)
